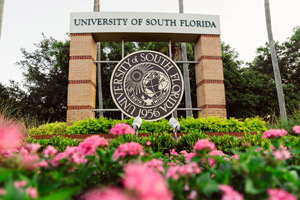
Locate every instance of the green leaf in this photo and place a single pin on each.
(65, 194)
(250, 188)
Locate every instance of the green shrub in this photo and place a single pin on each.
(59, 142)
(124, 139)
(187, 142)
(226, 143)
(94, 126)
(255, 140)
(222, 125)
(188, 125)
(57, 128)
(162, 142)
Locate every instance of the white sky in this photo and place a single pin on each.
(242, 23)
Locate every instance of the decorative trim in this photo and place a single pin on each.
(82, 82)
(210, 58)
(210, 81)
(80, 107)
(214, 106)
(206, 35)
(81, 34)
(81, 58)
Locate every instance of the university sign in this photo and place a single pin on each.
(185, 25)
(147, 84)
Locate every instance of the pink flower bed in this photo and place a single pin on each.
(141, 174)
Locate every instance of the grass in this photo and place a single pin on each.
(293, 120)
(11, 111)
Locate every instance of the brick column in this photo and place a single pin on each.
(209, 76)
(82, 77)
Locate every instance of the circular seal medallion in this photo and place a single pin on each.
(147, 84)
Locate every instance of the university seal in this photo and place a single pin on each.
(147, 84)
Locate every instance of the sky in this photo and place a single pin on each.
(242, 23)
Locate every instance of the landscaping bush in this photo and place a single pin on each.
(57, 128)
(94, 126)
(158, 142)
(162, 142)
(187, 142)
(222, 125)
(60, 143)
(227, 143)
(188, 125)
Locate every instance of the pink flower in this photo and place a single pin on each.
(10, 135)
(20, 184)
(259, 149)
(229, 193)
(183, 152)
(121, 129)
(183, 170)
(275, 133)
(192, 195)
(203, 144)
(72, 154)
(90, 144)
(296, 129)
(156, 165)
(2, 192)
(148, 143)
(189, 156)
(212, 162)
(75, 154)
(30, 161)
(235, 156)
(128, 149)
(59, 157)
(276, 194)
(171, 164)
(106, 194)
(147, 184)
(33, 148)
(49, 151)
(32, 192)
(282, 154)
(173, 152)
(8, 153)
(43, 164)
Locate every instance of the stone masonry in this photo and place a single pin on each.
(209, 76)
(82, 77)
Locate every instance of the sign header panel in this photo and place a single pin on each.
(144, 23)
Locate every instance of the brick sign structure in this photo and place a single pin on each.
(88, 28)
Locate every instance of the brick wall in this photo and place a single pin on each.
(82, 77)
(209, 76)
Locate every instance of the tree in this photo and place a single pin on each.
(289, 64)
(186, 74)
(248, 92)
(96, 5)
(46, 78)
(279, 89)
(1, 14)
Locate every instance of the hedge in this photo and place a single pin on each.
(188, 125)
(165, 142)
(60, 143)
